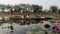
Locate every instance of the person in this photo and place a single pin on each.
(55, 27)
(55, 24)
(58, 30)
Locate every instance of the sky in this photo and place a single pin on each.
(45, 3)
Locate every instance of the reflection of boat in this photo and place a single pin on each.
(34, 20)
(20, 18)
(57, 18)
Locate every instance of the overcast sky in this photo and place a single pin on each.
(45, 3)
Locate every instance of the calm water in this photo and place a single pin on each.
(19, 29)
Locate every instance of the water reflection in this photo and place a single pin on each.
(18, 29)
(21, 29)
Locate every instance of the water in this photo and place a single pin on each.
(19, 29)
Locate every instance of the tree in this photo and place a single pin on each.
(23, 7)
(17, 8)
(59, 10)
(28, 8)
(9, 6)
(2, 6)
(36, 8)
(54, 8)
